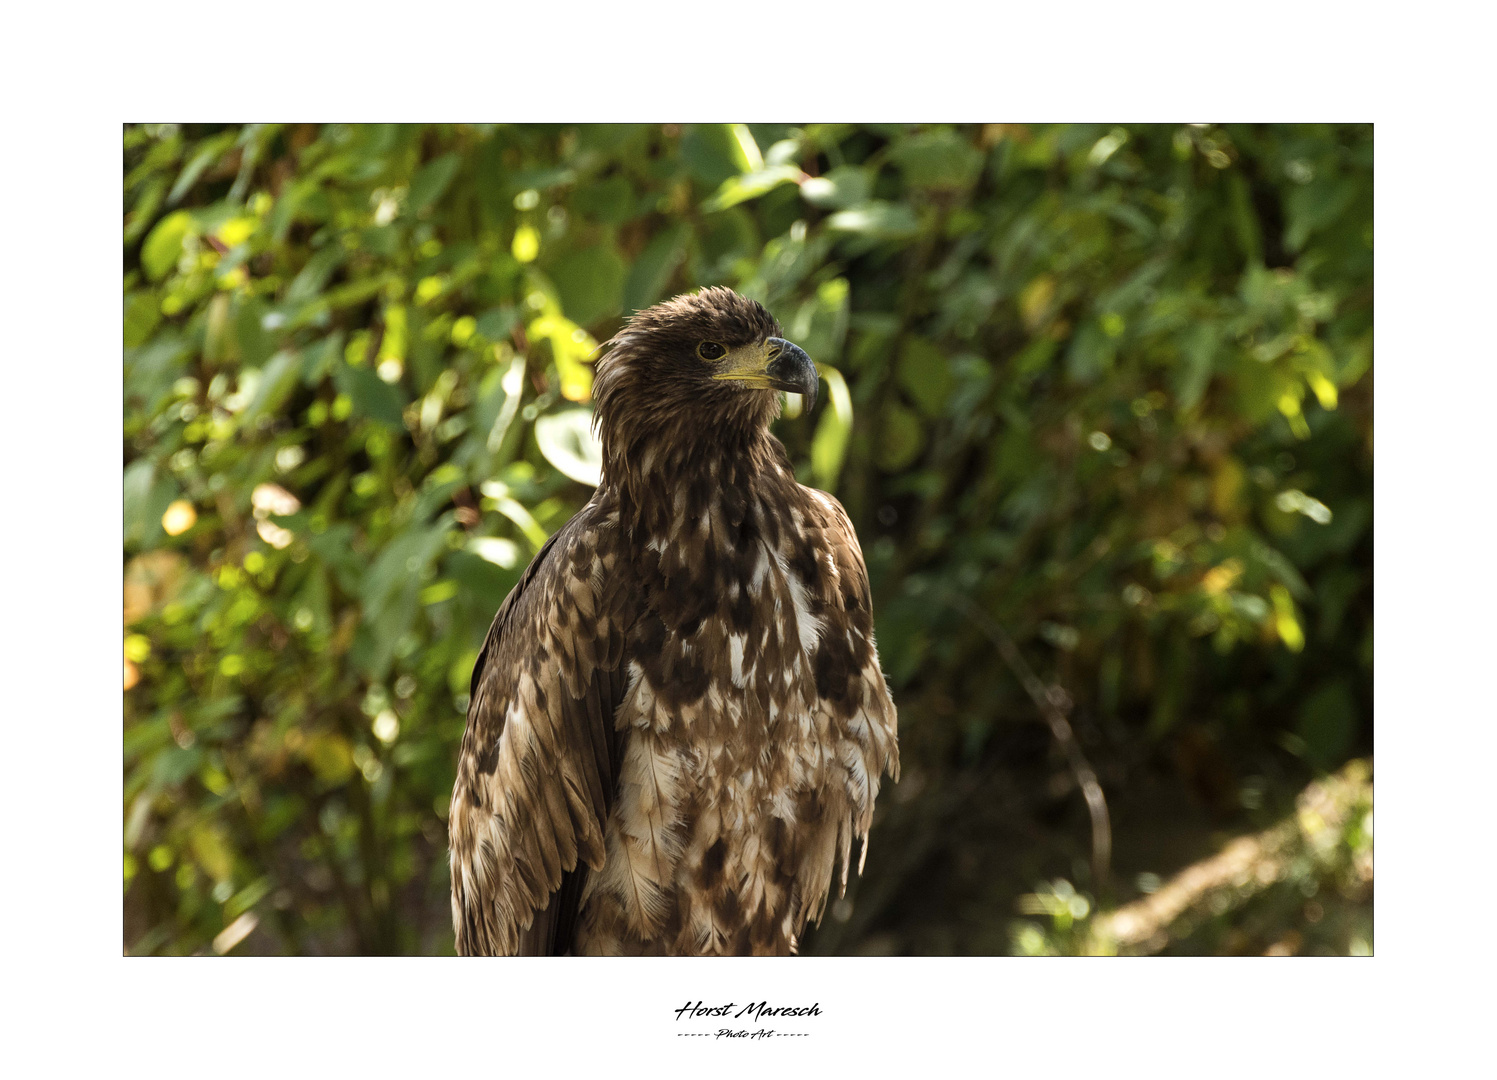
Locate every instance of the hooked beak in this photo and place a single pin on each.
(791, 369)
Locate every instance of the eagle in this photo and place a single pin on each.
(677, 723)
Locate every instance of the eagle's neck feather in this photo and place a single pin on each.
(665, 486)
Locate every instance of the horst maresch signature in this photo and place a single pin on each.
(754, 1010)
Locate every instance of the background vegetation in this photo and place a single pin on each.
(1098, 399)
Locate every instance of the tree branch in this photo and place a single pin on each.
(1053, 703)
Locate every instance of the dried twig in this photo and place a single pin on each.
(1053, 703)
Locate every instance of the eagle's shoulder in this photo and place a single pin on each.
(539, 759)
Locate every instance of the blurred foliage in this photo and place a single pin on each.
(1303, 886)
(1111, 383)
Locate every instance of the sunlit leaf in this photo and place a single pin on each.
(526, 244)
(737, 189)
(747, 154)
(497, 550)
(571, 347)
(879, 220)
(163, 247)
(568, 441)
(1286, 620)
(521, 516)
(838, 189)
(829, 445)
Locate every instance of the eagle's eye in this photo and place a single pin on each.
(711, 350)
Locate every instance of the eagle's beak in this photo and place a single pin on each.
(791, 369)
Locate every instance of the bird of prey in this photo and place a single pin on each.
(677, 723)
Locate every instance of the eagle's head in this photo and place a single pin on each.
(697, 374)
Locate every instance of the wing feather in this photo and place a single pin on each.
(538, 771)
(854, 709)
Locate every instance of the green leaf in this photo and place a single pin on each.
(277, 382)
(175, 765)
(591, 283)
(436, 491)
(248, 897)
(876, 219)
(401, 563)
(321, 358)
(746, 153)
(211, 849)
(829, 444)
(1035, 356)
(142, 315)
(840, 188)
(939, 159)
(925, 375)
(148, 492)
(1314, 207)
(163, 247)
(146, 205)
(1193, 372)
(428, 185)
(207, 154)
(355, 292)
(1090, 355)
(737, 189)
(151, 370)
(371, 396)
(314, 276)
(652, 271)
(335, 548)
(482, 580)
(517, 512)
(1274, 563)
(497, 323)
(901, 438)
(712, 153)
(610, 201)
(256, 344)
(497, 550)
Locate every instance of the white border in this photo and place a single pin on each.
(76, 75)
